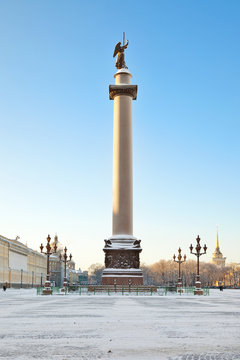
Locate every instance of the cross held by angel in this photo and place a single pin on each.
(119, 51)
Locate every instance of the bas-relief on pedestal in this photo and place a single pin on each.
(122, 267)
(122, 249)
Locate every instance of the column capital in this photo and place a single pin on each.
(130, 90)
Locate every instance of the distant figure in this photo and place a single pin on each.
(221, 287)
(4, 287)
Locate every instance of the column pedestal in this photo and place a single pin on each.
(198, 289)
(47, 287)
(179, 286)
(122, 261)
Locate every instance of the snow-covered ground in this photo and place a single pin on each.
(119, 327)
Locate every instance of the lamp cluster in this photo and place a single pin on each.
(49, 251)
(198, 290)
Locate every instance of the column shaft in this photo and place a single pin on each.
(122, 166)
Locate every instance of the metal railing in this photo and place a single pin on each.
(125, 290)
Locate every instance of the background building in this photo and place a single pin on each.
(232, 275)
(83, 278)
(21, 266)
(217, 256)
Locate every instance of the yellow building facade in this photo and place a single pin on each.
(21, 266)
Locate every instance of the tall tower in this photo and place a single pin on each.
(122, 249)
(217, 256)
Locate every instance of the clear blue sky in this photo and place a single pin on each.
(56, 123)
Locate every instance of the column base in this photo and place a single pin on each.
(198, 286)
(179, 284)
(47, 291)
(198, 292)
(122, 277)
(63, 290)
(179, 287)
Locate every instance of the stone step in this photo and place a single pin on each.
(119, 288)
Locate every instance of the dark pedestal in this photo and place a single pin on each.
(122, 262)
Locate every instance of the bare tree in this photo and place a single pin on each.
(164, 272)
(95, 273)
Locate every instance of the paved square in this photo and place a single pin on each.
(119, 327)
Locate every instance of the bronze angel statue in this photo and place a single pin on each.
(119, 51)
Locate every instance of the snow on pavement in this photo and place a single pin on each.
(119, 327)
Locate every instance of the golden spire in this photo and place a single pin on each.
(217, 243)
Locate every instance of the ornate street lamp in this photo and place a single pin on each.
(198, 290)
(21, 277)
(179, 260)
(47, 286)
(65, 261)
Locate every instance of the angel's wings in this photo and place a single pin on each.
(117, 48)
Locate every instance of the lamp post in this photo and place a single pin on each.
(65, 261)
(47, 286)
(198, 290)
(21, 277)
(179, 260)
(8, 283)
